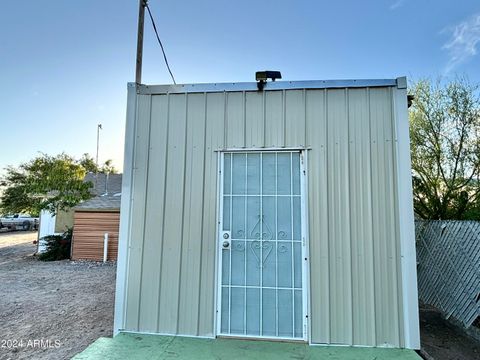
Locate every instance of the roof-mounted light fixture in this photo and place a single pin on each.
(263, 76)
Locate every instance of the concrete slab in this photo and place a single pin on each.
(133, 346)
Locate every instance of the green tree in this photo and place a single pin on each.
(108, 168)
(445, 149)
(90, 165)
(49, 183)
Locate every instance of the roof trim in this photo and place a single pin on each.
(276, 85)
(90, 210)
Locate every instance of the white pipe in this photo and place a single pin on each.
(105, 247)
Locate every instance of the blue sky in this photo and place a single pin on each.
(64, 64)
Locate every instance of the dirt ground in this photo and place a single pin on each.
(50, 310)
(443, 341)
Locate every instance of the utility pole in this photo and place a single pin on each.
(141, 21)
(99, 127)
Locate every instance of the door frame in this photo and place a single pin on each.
(305, 242)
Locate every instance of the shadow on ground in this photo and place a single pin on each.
(444, 341)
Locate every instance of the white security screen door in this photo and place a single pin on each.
(261, 246)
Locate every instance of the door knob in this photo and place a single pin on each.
(226, 238)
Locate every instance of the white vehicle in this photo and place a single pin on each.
(19, 222)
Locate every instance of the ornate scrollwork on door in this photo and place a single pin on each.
(261, 225)
(239, 246)
(261, 250)
(261, 247)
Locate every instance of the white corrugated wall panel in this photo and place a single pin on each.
(355, 288)
(174, 205)
(215, 134)
(316, 122)
(137, 224)
(274, 114)
(363, 301)
(192, 221)
(339, 218)
(235, 115)
(294, 108)
(254, 119)
(385, 257)
(154, 224)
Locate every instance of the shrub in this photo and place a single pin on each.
(58, 247)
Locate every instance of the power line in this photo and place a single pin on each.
(160, 42)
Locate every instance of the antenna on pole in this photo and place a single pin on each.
(99, 127)
(141, 21)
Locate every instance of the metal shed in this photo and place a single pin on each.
(277, 214)
(91, 223)
(96, 217)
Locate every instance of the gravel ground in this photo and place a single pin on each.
(50, 310)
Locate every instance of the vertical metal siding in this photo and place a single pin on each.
(254, 119)
(385, 257)
(234, 116)
(138, 215)
(294, 109)
(338, 222)
(192, 220)
(355, 289)
(273, 111)
(174, 204)
(318, 206)
(363, 297)
(154, 215)
(214, 138)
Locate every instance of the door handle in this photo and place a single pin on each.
(226, 240)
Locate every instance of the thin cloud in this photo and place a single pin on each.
(463, 42)
(397, 4)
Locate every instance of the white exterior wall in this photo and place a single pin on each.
(361, 243)
(46, 227)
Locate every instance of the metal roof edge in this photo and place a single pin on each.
(90, 210)
(274, 85)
